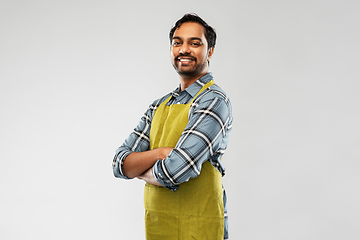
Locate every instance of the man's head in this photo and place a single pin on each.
(209, 32)
(192, 45)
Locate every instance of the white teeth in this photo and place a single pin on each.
(185, 60)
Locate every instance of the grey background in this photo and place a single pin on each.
(76, 76)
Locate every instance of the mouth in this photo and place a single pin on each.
(185, 60)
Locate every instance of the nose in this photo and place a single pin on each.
(184, 49)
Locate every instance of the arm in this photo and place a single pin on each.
(136, 148)
(136, 163)
(137, 141)
(204, 138)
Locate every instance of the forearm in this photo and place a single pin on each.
(137, 163)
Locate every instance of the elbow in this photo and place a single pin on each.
(117, 173)
(119, 169)
(186, 177)
(115, 169)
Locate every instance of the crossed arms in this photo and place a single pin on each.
(139, 164)
(204, 139)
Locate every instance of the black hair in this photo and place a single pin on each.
(210, 33)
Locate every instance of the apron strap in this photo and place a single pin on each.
(202, 89)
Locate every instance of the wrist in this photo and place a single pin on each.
(160, 154)
(163, 152)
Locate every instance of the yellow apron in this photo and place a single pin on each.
(195, 210)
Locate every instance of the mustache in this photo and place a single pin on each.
(184, 55)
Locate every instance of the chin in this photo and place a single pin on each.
(186, 73)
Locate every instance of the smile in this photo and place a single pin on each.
(185, 60)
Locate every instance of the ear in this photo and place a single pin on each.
(210, 53)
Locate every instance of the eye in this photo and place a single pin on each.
(176, 43)
(196, 44)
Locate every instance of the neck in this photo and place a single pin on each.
(186, 81)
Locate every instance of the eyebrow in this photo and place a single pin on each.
(192, 39)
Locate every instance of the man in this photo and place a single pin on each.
(177, 146)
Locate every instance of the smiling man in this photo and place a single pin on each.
(178, 145)
(190, 52)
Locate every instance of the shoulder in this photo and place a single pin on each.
(148, 115)
(212, 105)
(211, 93)
(213, 100)
(157, 102)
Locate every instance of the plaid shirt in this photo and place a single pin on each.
(205, 137)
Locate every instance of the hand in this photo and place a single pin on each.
(149, 178)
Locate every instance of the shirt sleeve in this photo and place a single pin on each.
(201, 140)
(138, 141)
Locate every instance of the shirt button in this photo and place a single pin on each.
(178, 103)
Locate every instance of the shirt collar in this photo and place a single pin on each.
(194, 88)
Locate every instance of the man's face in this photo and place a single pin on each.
(189, 50)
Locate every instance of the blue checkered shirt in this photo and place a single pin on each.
(205, 137)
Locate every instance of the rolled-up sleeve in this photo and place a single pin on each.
(138, 141)
(204, 138)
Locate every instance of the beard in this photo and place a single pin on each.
(188, 70)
